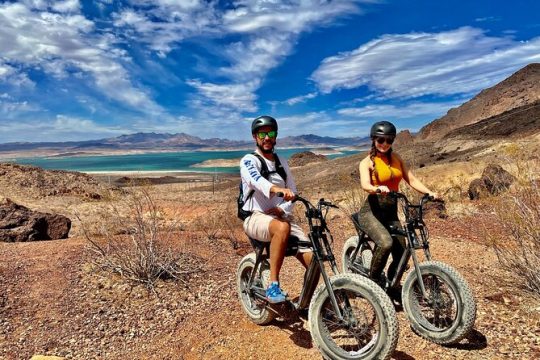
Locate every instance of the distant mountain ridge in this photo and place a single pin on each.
(180, 141)
(519, 90)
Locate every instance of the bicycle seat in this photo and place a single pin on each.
(292, 245)
(356, 221)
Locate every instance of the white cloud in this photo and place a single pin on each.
(266, 32)
(408, 111)
(14, 77)
(465, 60)
(300, 99)
(61, 128)
(58, 42)
(162, 23)
(67, 6)
(239, 97)
(251, 16)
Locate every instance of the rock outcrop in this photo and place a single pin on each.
(305, 157)
(19, 224)
(494, 180)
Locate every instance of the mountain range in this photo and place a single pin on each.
(181, 141)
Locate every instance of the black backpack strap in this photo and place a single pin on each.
(265, 173)
(279, 168)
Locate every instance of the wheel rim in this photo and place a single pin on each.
(440, 311)
(347, 259)
(358, 334)
(250, 303)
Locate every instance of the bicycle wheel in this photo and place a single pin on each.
(348, 249)
(254, 308)
(448, 313)
(363, 257)
(369, 329)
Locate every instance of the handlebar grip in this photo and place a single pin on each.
(280, 194)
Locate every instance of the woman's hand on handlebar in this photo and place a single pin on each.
(382, 189)
(433, 196)
(285, 193)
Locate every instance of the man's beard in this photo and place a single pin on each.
(264, 151)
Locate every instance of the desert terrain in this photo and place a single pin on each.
(55, 300)
(66, 298)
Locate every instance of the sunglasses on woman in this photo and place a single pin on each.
(271, 134)
(382, 140)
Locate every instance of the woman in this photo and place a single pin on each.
(381, 172)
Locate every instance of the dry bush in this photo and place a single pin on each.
(221, 223)
(350, 197)
(518, 244)
(132, 239)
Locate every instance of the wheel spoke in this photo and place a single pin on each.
(439, 310)
(360, 327)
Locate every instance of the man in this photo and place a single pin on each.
(271, 218)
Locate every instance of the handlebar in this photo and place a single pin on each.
(306, 202)
(425, 198)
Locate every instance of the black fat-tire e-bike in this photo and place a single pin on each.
(349, 316)
(440, 307)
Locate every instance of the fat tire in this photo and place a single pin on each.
(348, 248)
(387, 339)
(466, 305)
(259, 315)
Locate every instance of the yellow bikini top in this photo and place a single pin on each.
(387, 174)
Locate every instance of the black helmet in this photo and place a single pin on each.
(261, 121)
(382, 128)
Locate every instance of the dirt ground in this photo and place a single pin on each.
(53, 301)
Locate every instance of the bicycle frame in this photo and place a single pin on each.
(414, 231)
(322, 252)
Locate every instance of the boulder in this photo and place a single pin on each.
(477, 189)
(494, 180)
(18, 223)
(497, 179)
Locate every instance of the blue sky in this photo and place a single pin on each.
(77, 70)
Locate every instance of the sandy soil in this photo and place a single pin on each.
(54, 302)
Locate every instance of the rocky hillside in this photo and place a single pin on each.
(522, 121)
(35, 182)
(520, 89)
(305, 157)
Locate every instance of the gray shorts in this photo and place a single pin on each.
(257, 226)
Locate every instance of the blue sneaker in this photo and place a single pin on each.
(274, 294)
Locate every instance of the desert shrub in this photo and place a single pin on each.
(350, 196)
(221, 223)
(132, 239)
(518, 244)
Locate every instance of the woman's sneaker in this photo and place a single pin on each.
(274, 294)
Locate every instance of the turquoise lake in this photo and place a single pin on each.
(176, 161)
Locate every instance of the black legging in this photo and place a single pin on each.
(377, 213)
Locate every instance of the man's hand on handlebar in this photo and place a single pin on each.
(287, 194)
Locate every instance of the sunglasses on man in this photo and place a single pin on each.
(382, 140)
(271, 134)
